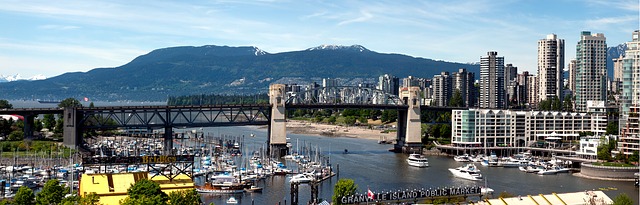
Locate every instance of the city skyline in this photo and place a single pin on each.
(52, 38)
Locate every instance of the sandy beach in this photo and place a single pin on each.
(362, 132)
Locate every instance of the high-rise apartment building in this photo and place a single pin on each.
(510, 73)
(573, 64)
(463, 81)
(630, 109)
(532, 90)
(442, 89)
(389, 84)
(550, 67)
(591, 75)
(492, 92)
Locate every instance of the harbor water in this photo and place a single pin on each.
(372, 166)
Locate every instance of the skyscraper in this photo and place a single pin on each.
(572, 75)
(463, 81)
(389, 84)
(550, 67)
(591, 75)
(442, 89)
(629, 119)
(492, 92)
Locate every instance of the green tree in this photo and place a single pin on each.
(456, 99)
(51, 193)
(91, 105)
(24, 196)
(612, 128)
(145, 192)
(49, 121)
(89, 199)
(5, 104)
(344, 187)
(363, 120)
(184, 197)
(37, 125)
(622, 199)
(350, 120)
(16, 135)
(59, 126)
(634, 157)
(70, 102)
(331, 120)
(567, 104)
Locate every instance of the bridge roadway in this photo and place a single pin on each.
(157, 117)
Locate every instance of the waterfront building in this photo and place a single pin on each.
(550, 67)
(589, 147)
(601, 114)
(591, 75)
(442, 86)
(492, 127)
(572, 75)
(630, 109)
(492, 92)
(464, 82)
(389, 84)
(410, 82)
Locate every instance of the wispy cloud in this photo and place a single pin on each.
(629, 5)
(364, 16)
(58, 27)
(603, 23)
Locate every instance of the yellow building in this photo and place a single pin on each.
(111, 188)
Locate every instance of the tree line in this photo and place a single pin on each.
(217, 99)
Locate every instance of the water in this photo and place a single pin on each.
(371, 166)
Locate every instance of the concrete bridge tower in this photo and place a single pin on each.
(409, 130)
(277, 125)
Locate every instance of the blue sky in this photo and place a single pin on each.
(55, 37)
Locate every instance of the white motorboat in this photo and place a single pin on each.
(547, 172)
(301, 178)
(467, 171)
(232, 200)
(417, 160)
(461, 158)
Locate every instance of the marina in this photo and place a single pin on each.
(368, 163)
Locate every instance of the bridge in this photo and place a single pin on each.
(77, 120)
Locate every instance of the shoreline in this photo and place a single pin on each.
(326, 130)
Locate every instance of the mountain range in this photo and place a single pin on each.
(189, 70)
(16, 77)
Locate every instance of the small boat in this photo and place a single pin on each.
(301, 178)
(417, 160)
(468, 171)
(547, 172)
(461, 158)
(232, 200)
(222, 185)
(254, 189)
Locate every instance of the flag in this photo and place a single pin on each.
(370, 194)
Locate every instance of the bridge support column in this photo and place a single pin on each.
(72, 134)
(28, 126)
(409, 125)
(168, 140)
(277, 124)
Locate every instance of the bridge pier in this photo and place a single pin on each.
(28, 126)
(278, 123)
(409, 125)
(168, 140)
(72, 133)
